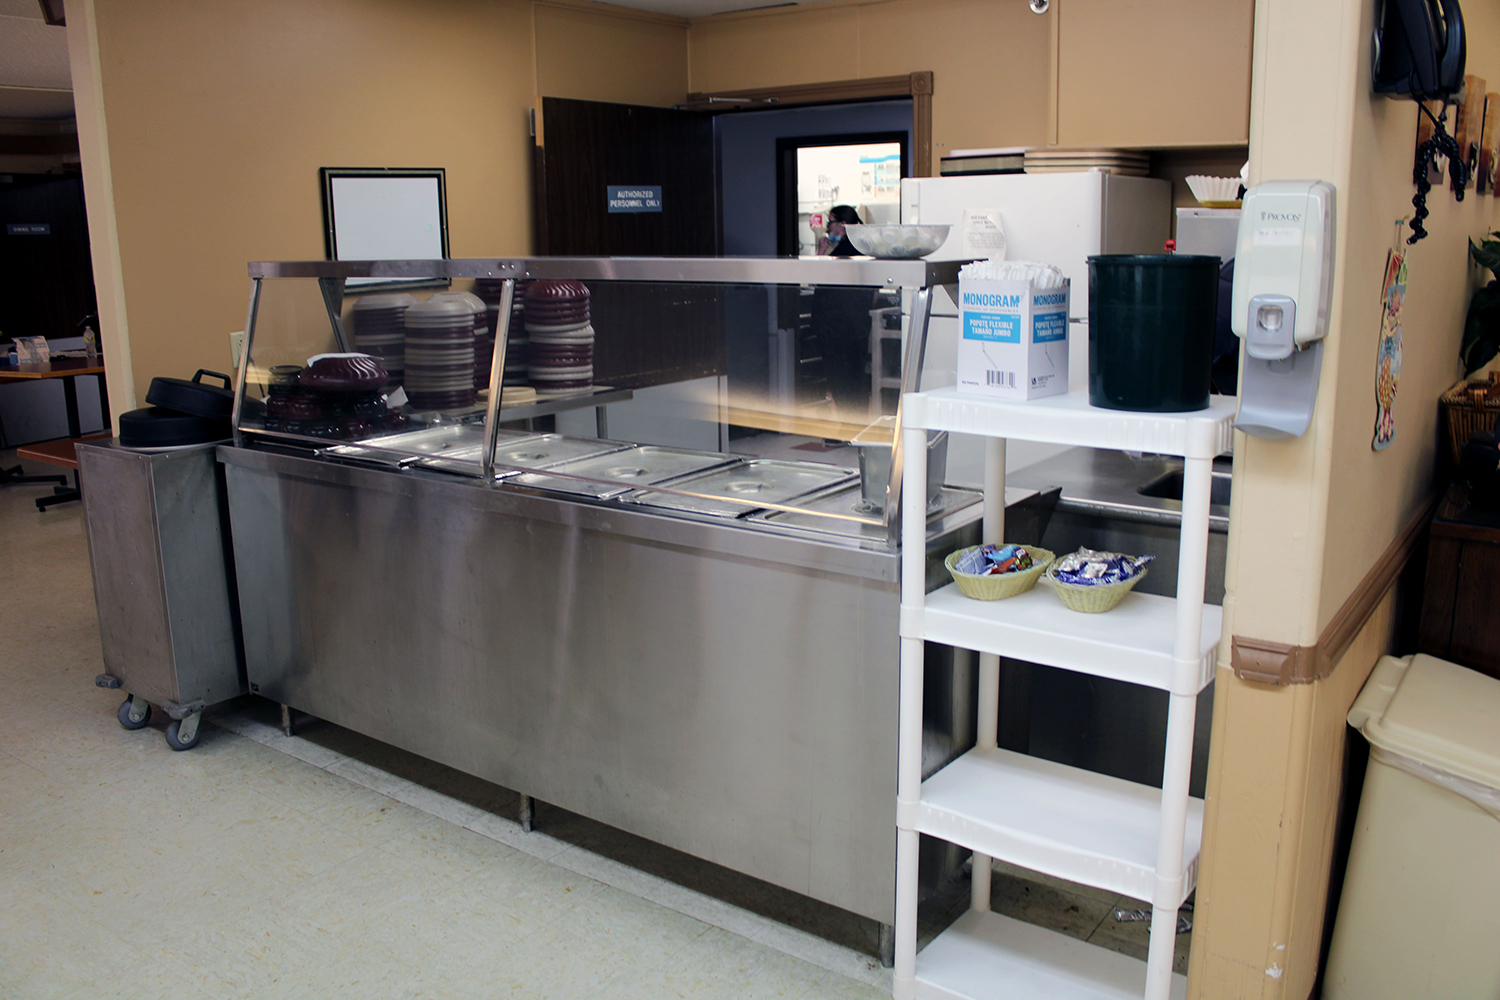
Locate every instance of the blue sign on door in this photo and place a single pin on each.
(28, 229)
(633, 198)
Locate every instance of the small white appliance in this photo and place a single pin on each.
(1212, 231)
(1059, 219)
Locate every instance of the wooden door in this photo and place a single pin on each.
(584, 148)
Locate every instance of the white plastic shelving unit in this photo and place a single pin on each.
(1067, 822)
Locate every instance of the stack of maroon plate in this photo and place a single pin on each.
(440, 355)
(561, 357)
(484, 338)
(516, 344)
(379, 323)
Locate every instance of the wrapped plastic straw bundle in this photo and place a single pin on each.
(1037, 275)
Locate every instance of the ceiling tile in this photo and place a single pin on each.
(33, 54)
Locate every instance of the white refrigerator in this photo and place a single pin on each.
(1059, 219)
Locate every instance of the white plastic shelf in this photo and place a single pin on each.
(1132, 642)
(1066, 822)
(985, 956)
(1070, 420)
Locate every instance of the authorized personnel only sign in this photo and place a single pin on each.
(640, 198)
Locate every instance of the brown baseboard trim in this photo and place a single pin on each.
(1265, 662)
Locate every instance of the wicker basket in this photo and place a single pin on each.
(1094, 598)
(1468, 408)
(998, 586)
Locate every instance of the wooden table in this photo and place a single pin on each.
(67, 369)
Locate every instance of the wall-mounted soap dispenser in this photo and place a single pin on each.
(1283, 284)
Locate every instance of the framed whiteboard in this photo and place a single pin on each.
(375, 213)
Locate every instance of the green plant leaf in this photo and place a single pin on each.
(1486, 254)
(1481, 340)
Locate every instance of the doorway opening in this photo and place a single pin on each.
(863, 170)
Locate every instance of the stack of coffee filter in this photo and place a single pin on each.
(484, 340)
(561, 354)
(440, 354)
(379, 323)
(489, 289)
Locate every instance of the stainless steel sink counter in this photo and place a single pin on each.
(1108, 484)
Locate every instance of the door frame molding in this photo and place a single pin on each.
(916, 86)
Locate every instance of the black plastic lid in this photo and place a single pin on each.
(1155, 259)
(192, 396)
(154, 427)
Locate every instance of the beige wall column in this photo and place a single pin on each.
(1315, 518)
(99, 199)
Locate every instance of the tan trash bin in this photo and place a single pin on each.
(1420, 912)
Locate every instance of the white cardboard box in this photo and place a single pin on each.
(1013, 341)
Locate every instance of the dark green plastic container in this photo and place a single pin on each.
(1151, 331)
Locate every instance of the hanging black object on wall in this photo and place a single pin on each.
(1419, 49)
(1151, 331)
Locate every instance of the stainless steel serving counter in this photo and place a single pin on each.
(725, 688)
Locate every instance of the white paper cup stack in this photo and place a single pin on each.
(379, 323)
(561, 357)
(440, 355)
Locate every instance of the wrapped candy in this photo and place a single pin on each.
(1089, 568)
(991, 560)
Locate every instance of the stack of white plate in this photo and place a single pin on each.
(484, 338)
(379, 323)
(1129, 162)
(561, 334)
(440, 355)
(488, 289)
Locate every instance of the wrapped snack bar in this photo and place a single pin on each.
(1089, 568)
(1092, 582)
(988, 560)
(994, 572)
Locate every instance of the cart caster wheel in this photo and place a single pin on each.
(127, 713)
(173, 729)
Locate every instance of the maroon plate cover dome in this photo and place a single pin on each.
(343, 373)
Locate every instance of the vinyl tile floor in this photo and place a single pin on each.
(257, 865)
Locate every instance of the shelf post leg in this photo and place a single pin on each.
(904, 974)
(908, 794)
(526, 812)
(987, 731)
(909, 707)
(1181, 720)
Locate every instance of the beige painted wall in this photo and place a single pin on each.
(1275, 770)
(594, 52)
(219, 116)
(991, 60)
(1310, 517)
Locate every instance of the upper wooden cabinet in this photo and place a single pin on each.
(1153, 73)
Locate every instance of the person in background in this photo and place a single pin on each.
(841, 323)
(834, 241)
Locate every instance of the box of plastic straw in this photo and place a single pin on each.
(1013, 330)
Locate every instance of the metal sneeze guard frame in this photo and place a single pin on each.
(917, 276)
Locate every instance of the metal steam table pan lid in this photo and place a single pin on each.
(643, 465)
(752, 482)
(849, 500)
